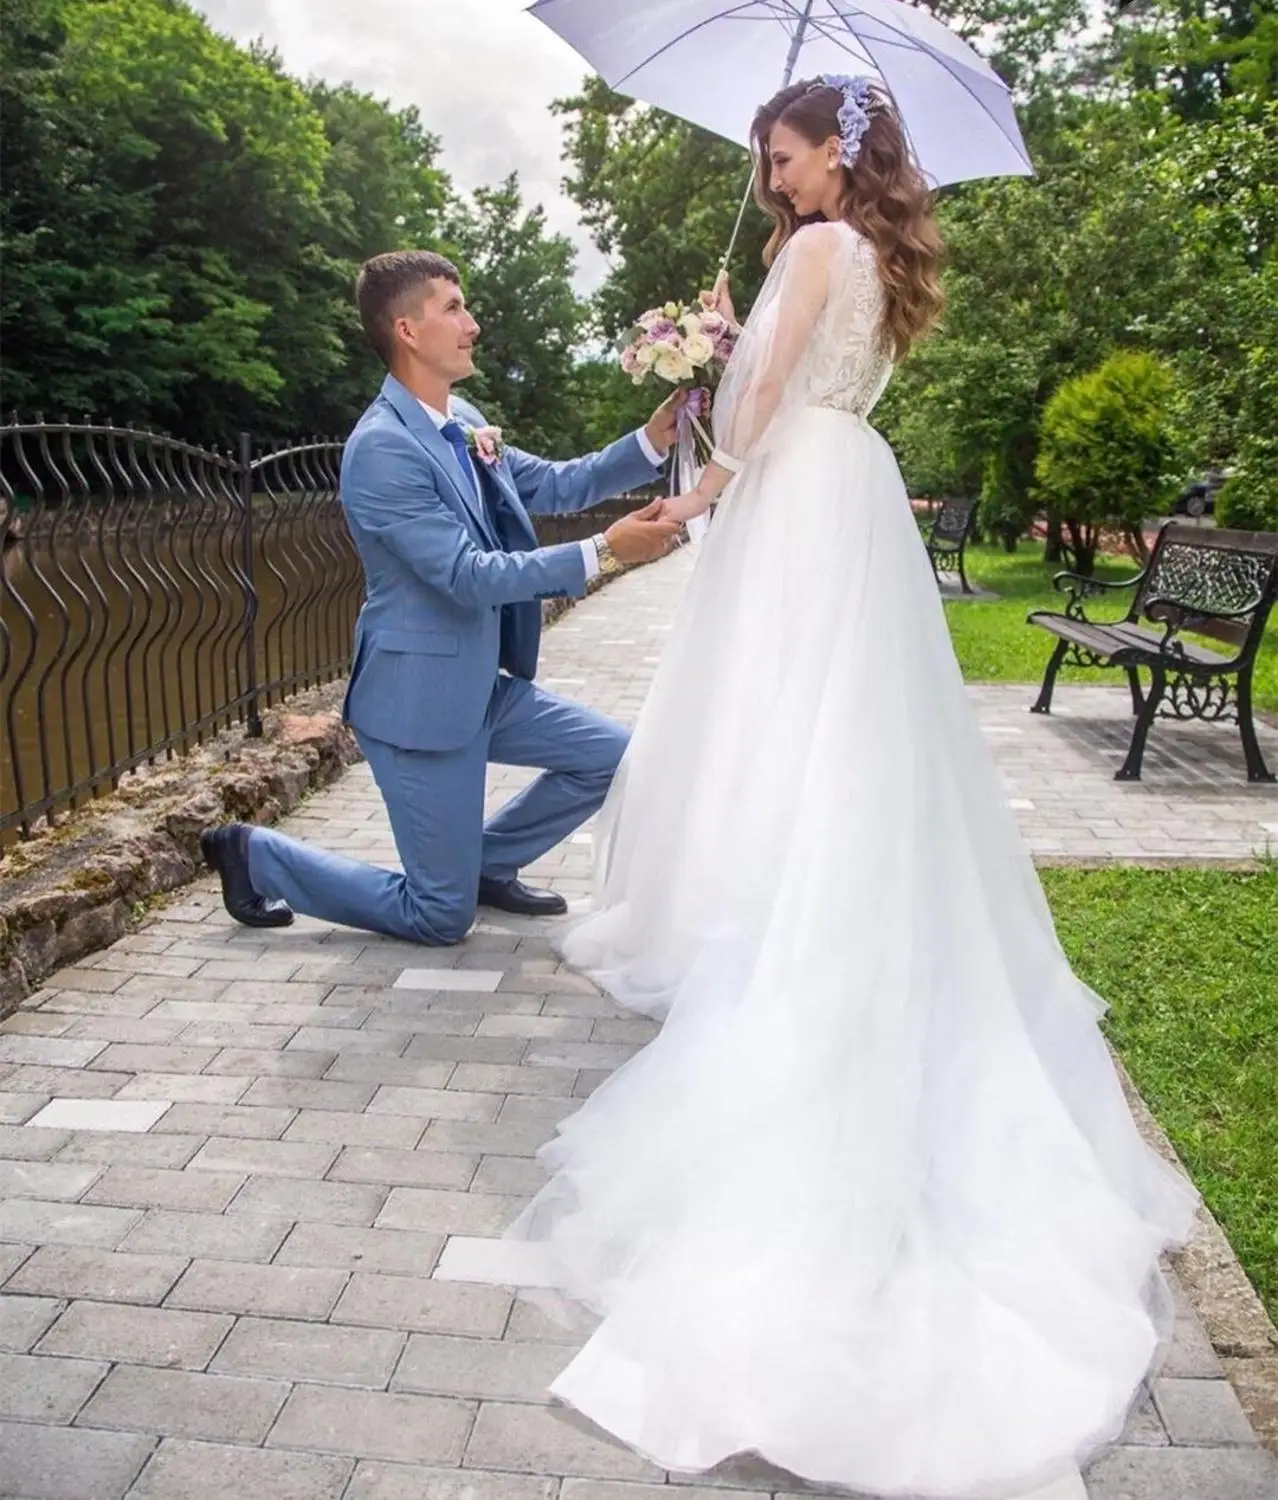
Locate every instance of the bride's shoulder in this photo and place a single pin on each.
(826, 240)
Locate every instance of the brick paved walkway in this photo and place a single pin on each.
(230, 1161)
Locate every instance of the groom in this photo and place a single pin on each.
(446, 644)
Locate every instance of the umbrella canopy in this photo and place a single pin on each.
(713, 63)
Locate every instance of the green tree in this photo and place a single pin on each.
(518, 280)
(1109, 454)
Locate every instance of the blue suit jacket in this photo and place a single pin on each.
(450, 597)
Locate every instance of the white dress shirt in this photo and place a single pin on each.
(589, 554)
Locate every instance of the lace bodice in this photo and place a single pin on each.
(847, 366)
(812, 339)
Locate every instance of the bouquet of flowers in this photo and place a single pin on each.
(687, 347)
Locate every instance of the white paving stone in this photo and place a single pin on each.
(101, 1114)
(472, 980)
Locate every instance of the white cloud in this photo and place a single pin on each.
(481, 72)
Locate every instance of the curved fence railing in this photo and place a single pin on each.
(153, 593)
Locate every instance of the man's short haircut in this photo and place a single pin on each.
(392, 284)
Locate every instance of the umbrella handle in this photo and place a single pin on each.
(736, 228)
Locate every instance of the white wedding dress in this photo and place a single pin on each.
(872, 1206)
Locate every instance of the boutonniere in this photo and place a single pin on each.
(485, 443)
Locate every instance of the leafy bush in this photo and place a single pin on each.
(1109, 452)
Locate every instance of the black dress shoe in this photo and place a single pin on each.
(514, 896)
(226, 851)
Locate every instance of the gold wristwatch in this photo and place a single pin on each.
(605, 556)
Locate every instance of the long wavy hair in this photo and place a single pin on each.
(885, 198)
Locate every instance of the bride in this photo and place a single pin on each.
(871, 1206)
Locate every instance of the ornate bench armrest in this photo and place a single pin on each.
(1175, 615)
(1080, 587)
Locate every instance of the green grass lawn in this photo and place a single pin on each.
(1188, 961)
(994, 644)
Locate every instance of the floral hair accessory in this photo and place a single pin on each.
(854, 112)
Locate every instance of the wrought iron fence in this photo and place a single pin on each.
(153, 593)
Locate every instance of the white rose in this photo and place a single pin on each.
(673, 366)
(691, 324)
(645, 356)
(699, 349)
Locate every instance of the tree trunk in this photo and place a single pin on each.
(1136, 540)
(1055, 551)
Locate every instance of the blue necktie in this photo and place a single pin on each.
(454, 435)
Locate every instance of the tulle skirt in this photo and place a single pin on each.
(872, 1205)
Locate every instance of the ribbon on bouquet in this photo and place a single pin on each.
(686, 469)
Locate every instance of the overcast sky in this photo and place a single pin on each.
(481, 72)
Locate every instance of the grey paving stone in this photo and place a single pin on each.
(434, 1104)
(421, 1305)
(440, 1212)
(1145, 1427)
(514, 1175)
(632, 1032)
(17, 1109)
(469, 1049)
(56, 1181)
(344, 1128)
(1192, 1356)
(488, 1078)
(616, 1489)
(367, 1424)
(561, 1054)
(381, 1481)
(309, 1093)
(72, 1002)
(238, 1061)
(29, 1142)
(542, 1114)
(483, 1369)
(110, 1147)
(270, 1158)
(330, 1040)
(147, 1031)
(48, 1051)
(545, 1440)
(24, 1319)
(530, 1324)
(31, 1221)
(122, 1058)
(35, 1388)
(1204, 1413)
(317, 1202)
(183, 1470)
(1184, 1474)
(73, 1083)
(208, 1236)
(238, 1120)
(103, 1275)
(61, 1463)
(347, 1248)
(270, 1291)
(320, 1352)
(189, 1192)
(137, 1335)
(436, 1169)
(180, 1403)
(565, 1028)
(498, 1139)
(239, 1037)
(185, 1088)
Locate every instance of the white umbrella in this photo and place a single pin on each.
(713, 63)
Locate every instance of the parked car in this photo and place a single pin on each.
(1198, 498)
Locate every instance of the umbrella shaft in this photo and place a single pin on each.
(796, 44)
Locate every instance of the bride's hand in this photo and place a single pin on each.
(684, 507)
(720, 299)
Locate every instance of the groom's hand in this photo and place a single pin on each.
(643, 535)
(662, 426)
